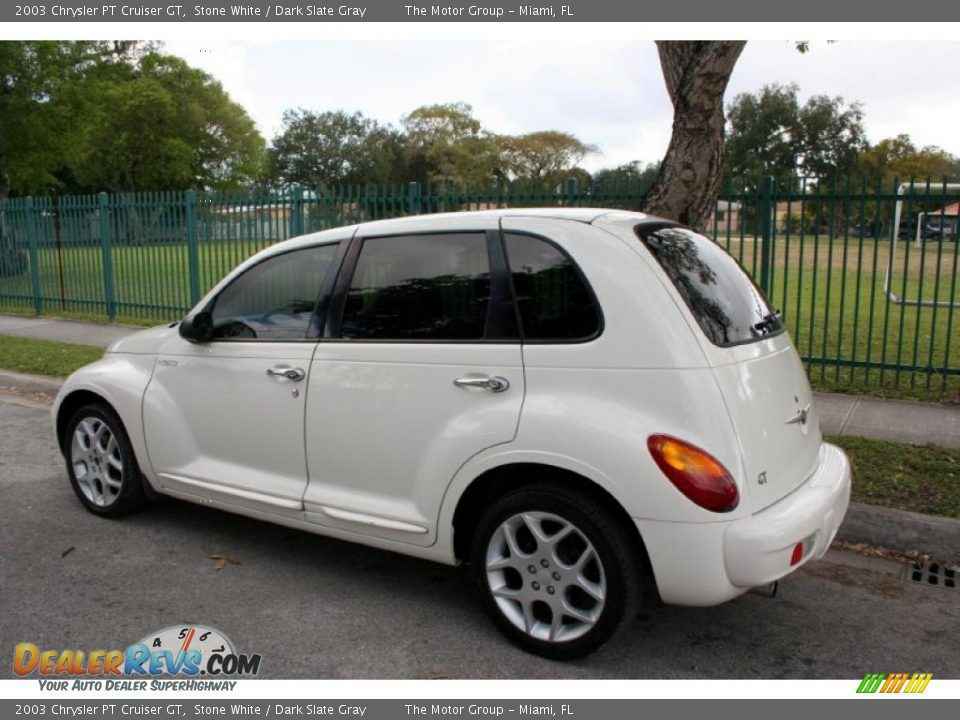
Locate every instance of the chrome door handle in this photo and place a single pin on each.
(287, 373)
(495, 384)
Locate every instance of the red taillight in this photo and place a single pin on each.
(695, 472)
(797, 555)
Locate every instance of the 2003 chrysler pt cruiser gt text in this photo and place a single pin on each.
(585, 405)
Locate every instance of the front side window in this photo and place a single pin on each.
(275, 299)
(420, 287)
(727, 305)
(553, 301)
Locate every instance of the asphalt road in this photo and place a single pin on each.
(320, 608)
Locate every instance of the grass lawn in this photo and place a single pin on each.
(42, 357)
(923, 479)
(831, 292)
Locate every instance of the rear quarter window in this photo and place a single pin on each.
(728, 306)
(553, 300)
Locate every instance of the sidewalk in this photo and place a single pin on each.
(896, 420)
(70, 331)
(906, 421)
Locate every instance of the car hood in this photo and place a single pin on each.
(143, 342)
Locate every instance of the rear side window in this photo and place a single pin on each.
(729, 308)
(420, 287)
(553, 300)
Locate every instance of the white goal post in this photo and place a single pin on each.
(888, 291)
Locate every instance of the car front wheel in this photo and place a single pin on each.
(557, 570)
(100, 462)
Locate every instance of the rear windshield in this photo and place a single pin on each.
(730, 309)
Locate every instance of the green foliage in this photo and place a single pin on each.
(628, 175)
(548, 156)
(161, 124)
(771, 133)
(84, 117)
(445, 143)
(899, 157)
(760, 139)
(831, 135)
(334, 148)
(91, 116)
(45, 105)
(799, 222)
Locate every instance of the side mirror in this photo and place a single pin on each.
(197, 328)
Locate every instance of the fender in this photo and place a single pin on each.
(121, 380)
(608, 429)
(500, 456)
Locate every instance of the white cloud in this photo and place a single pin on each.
(904, 87)
(606, 92)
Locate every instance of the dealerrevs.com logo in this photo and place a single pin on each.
(188, 652)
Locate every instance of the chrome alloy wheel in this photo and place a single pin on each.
(545, 576)
(96, 461)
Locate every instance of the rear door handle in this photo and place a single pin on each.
(495, 384)
(285, 372)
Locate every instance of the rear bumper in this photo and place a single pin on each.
(709, 563)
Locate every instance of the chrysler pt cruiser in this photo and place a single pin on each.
(584, 405)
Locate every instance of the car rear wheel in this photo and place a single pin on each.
(557, 571)
(100, 462)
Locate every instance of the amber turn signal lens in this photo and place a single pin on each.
(695, 473)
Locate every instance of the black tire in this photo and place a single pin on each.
(114, 502)
(616, 555)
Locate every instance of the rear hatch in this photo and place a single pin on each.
(757, 368)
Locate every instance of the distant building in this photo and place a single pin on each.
(942, 222)
(727, 217)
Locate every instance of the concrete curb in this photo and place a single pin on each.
(932, 535)
(30, 383)
(938, 537)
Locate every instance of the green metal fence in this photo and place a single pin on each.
(866, 276)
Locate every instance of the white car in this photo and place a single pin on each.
(585, 405)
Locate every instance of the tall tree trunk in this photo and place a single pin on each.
(4, 174)
(696, 75)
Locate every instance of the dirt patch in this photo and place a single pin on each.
(14, 394)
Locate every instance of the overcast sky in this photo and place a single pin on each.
(608, 93)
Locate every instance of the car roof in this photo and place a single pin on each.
(580, 214)
(463, 221)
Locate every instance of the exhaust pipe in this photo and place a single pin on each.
(767, 591)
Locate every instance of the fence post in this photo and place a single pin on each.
(108, 295)
(571, 192)
(34, 254)
(296, 211)
(413, 198)
(193, 253)
(766, 234)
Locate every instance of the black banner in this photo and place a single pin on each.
(413, 11)
(185, 708)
